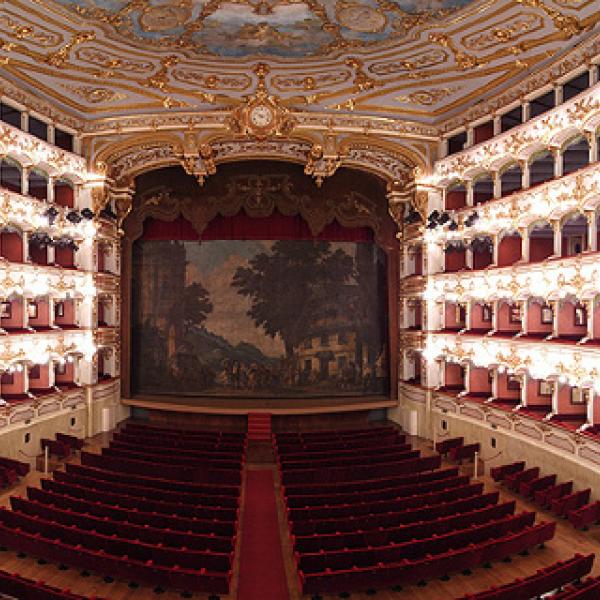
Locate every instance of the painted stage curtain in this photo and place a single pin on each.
(243, 227)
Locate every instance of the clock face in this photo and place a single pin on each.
(261, 116)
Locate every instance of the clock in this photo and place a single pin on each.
(261, 116)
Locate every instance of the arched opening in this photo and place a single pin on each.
(511, 180)
(541, 168)
(483, 252)
(576, 155)
(307, 329)
(10, 175)
(37, 184)
(574, 233)
(64, 193)
(456, 197)
(483, 189)
(509, 249)
(541, 242)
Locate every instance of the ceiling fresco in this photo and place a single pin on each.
(279, 28)
(406, 65)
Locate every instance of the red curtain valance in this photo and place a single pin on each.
(243, 227)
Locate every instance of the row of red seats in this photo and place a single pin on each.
(144, 533)
(312, 489)
(585, 590)
(146, 492)
(164, 458)
(7, 477)
(412, 549)
(444, 446)
(400, 453)
(393, 519)
(382, 494)
(285, 447)
(21, 468)
(20, 587)
(388, 448)
(466, 452)
(156, 441)
(337, 434)
(586, 515)
(56, 447)
(117, 546)
(184, 434)
(412, 571)
(560, 498)
(186, 452)
(401, 533)
(122, 566)
(72, 441)
(174, 472)
(162, 521)
(155, 482)
(357, 509)
(414, 465)
(542, 582)
(148, 505)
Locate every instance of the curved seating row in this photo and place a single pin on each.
(412, 571)
(393, 519)
(542, 582)
(198, 454)
(387, 493)
(160, 441)
(146, 492)
(340, 487)
(586, 590)
(155, 482)
(16, 586)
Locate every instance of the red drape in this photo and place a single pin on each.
(243, 227)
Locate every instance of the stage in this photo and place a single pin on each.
(274, 406)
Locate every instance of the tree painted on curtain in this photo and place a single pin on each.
(283, 318)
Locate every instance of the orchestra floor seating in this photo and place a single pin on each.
(389, 516)
(165, 514)
(547, 493)
(543, 582)
(11, 470)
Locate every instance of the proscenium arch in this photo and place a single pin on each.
(389, 246)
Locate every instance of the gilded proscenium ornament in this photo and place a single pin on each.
(324, 159)
(262, 115)
(197, 159)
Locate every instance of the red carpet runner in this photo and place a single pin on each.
(262, 574)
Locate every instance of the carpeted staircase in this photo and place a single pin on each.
(259, 427)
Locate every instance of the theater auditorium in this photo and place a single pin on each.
(300, 299)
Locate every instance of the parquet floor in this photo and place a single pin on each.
(566, 542)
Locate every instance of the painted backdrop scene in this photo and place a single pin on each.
(259, 318)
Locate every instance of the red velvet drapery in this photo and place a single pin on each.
(244, 227)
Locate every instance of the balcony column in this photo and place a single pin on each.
(557, 158)
(555, 304)
(592, 141)
(51, 311)
(497, 183)
(524, 233)
(443, 147)
(25, 242)
(467, 381)
(51, 374)
(470, 136)
(558, 94)
(495, 249)
(25, 121)
(443, 313)
(495, 305)
(469, 257)
(468, 311)
(593, 73)
(589, 408)
(50, 254)
(524, 387)
(494, 382)
(525, 174)
(592, 237)
(469, 190)
(525, 111)
(524, 316)
(497, 121)
(555, 390)
(50, 190)
(589, 306)
(557, 252)
(51, 134)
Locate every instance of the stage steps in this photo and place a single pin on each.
(259, 427)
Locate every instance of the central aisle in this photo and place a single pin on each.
(262, 573)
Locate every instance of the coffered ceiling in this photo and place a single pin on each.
(402, 59)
